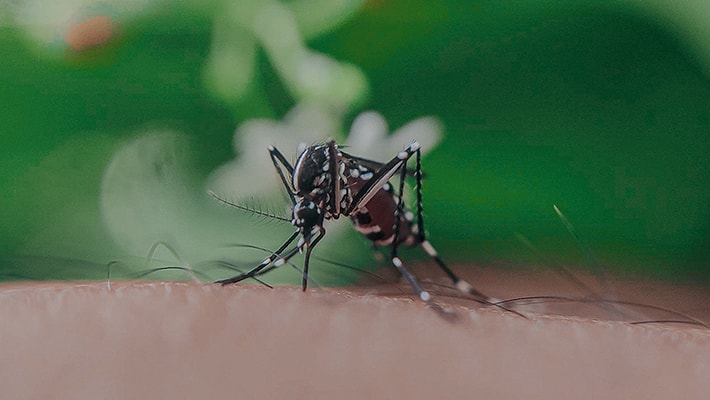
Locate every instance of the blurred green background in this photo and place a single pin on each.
(602, 110)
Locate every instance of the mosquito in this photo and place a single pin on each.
(327, 183)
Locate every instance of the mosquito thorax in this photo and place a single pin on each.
(313, 179)
(310, 175)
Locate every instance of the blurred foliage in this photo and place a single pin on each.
(604, 111)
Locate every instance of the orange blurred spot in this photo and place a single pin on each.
(92, 32)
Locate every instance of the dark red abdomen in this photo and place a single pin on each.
(376, 219)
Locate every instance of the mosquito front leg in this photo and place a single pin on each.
(279, 260)
(307, 260)
(279, 160)
(265, 263)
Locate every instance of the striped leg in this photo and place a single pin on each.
(396, 261)
(259, 269)
(421, 239)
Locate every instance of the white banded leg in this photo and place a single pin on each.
(273, 258)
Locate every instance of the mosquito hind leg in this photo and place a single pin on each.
(460, 284)
(421, 239)
(418, 290)
(396, 261)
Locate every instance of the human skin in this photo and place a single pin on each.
(190, 340)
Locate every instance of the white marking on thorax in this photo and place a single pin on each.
(297, 171)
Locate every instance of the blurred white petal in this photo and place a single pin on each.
(252, 173)
(368, 137)
(308, 75)
(229, 68)
(368, 130)
(425, 130)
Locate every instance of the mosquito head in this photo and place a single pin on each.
(310, 175)
(307, 217)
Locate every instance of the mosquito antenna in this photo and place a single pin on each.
(247, 209)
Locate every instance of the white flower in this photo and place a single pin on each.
(239, 28)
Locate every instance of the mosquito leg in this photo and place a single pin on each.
(311, 245)
(280, 163)
(464, 286)
(396, 261)
(371, 164)
(266, 262)
(461, 284)
(365, 194)
(277, 259)
(229, 265)
(398, 213)
(380, 177)
(423, 294)
(279, 160)
(283, 259)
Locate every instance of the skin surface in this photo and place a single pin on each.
(190, 340)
